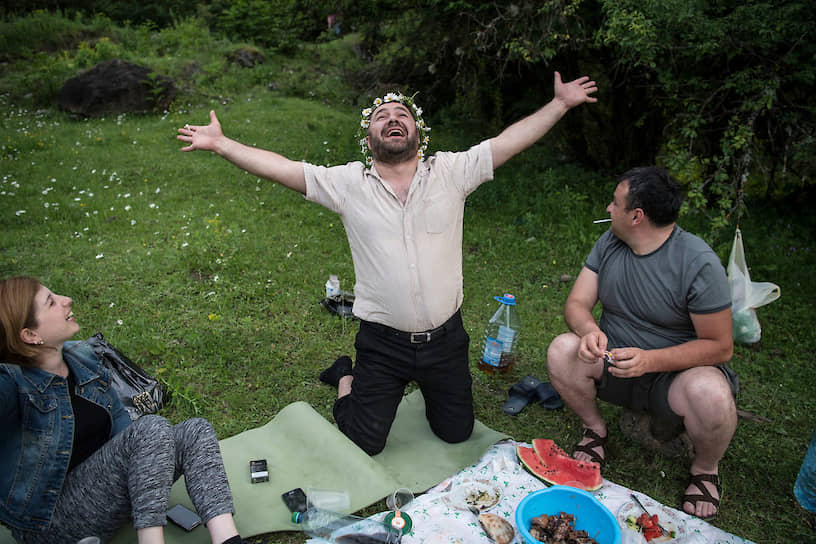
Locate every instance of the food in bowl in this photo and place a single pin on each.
(590, 515)
(560, 528)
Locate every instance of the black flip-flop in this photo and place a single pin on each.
(521, 394)
(341, 305)
(548, 397)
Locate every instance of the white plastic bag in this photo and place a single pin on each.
(746, 295)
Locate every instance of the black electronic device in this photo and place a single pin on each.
(184, 517)
(295, 500)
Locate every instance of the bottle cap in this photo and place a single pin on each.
(508, 299)
(297, 517)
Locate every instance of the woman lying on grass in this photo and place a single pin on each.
(74, 465)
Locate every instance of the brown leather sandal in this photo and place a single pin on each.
(704, 495)
(588, 448)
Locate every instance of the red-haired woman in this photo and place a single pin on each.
(74, 465)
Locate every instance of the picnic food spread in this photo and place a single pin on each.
(550, 463)
(560, 528)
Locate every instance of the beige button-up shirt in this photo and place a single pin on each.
(407, 257)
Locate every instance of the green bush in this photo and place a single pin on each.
(278, 24)
(21, 36)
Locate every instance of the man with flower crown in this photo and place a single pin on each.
(403, 215)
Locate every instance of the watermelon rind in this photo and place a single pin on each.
(549, 463)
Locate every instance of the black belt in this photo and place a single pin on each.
(415, 337)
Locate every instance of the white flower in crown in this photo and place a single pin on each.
(365, 122)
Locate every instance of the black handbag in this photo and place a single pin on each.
(140, 392)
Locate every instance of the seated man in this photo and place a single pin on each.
(664, 335)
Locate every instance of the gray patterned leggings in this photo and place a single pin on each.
(131, 476)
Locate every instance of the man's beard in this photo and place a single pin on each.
(393, 153)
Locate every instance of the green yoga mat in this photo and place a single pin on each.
(302, 449)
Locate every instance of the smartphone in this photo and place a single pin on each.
(183, 517)
(258, 471)
(295, 500)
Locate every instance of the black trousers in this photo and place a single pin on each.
(387, 360)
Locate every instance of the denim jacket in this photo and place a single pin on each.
(37, 430)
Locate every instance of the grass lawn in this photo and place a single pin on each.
(211, 279)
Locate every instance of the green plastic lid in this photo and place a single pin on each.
(406, 528)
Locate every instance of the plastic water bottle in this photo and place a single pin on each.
(805, 486)
(345, 528)
(333, 287)
(501, 337)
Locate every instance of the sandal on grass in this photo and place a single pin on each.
(548, 397)
(596, 440)
(704, 495)
(521, 394)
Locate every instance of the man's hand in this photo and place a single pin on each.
(522, 134)
(575, 92)
(592, 346)
(201, 137)
(630, 362)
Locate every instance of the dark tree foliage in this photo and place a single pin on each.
(158, 12)
(720, 91)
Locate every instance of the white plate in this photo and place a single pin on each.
(667, 518)
(480, 494)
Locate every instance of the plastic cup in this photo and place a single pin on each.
(399, 499)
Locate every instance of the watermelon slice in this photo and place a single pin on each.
(551, 464)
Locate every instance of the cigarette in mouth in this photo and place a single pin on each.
(602, 220)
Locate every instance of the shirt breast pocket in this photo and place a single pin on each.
(39, 413)
(439, 215)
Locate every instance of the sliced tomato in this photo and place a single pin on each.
(650, 533)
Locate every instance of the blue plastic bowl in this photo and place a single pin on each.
(590, 515)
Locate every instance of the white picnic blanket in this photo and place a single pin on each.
(436, 520)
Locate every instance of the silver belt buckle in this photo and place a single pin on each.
(420, 337)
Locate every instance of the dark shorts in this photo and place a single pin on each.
(650, 392)
(386, 362)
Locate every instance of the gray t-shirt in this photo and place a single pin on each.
(647, 299)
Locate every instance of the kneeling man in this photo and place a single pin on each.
(664, 334)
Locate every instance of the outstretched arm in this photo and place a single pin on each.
(522, 134)
(259, 162)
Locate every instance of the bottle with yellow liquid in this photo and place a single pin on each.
(501, 337)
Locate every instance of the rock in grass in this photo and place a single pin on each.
(116, 86)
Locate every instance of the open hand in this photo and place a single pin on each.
(201, 136)
(575, 92)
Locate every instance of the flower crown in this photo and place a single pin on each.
(416, 111)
